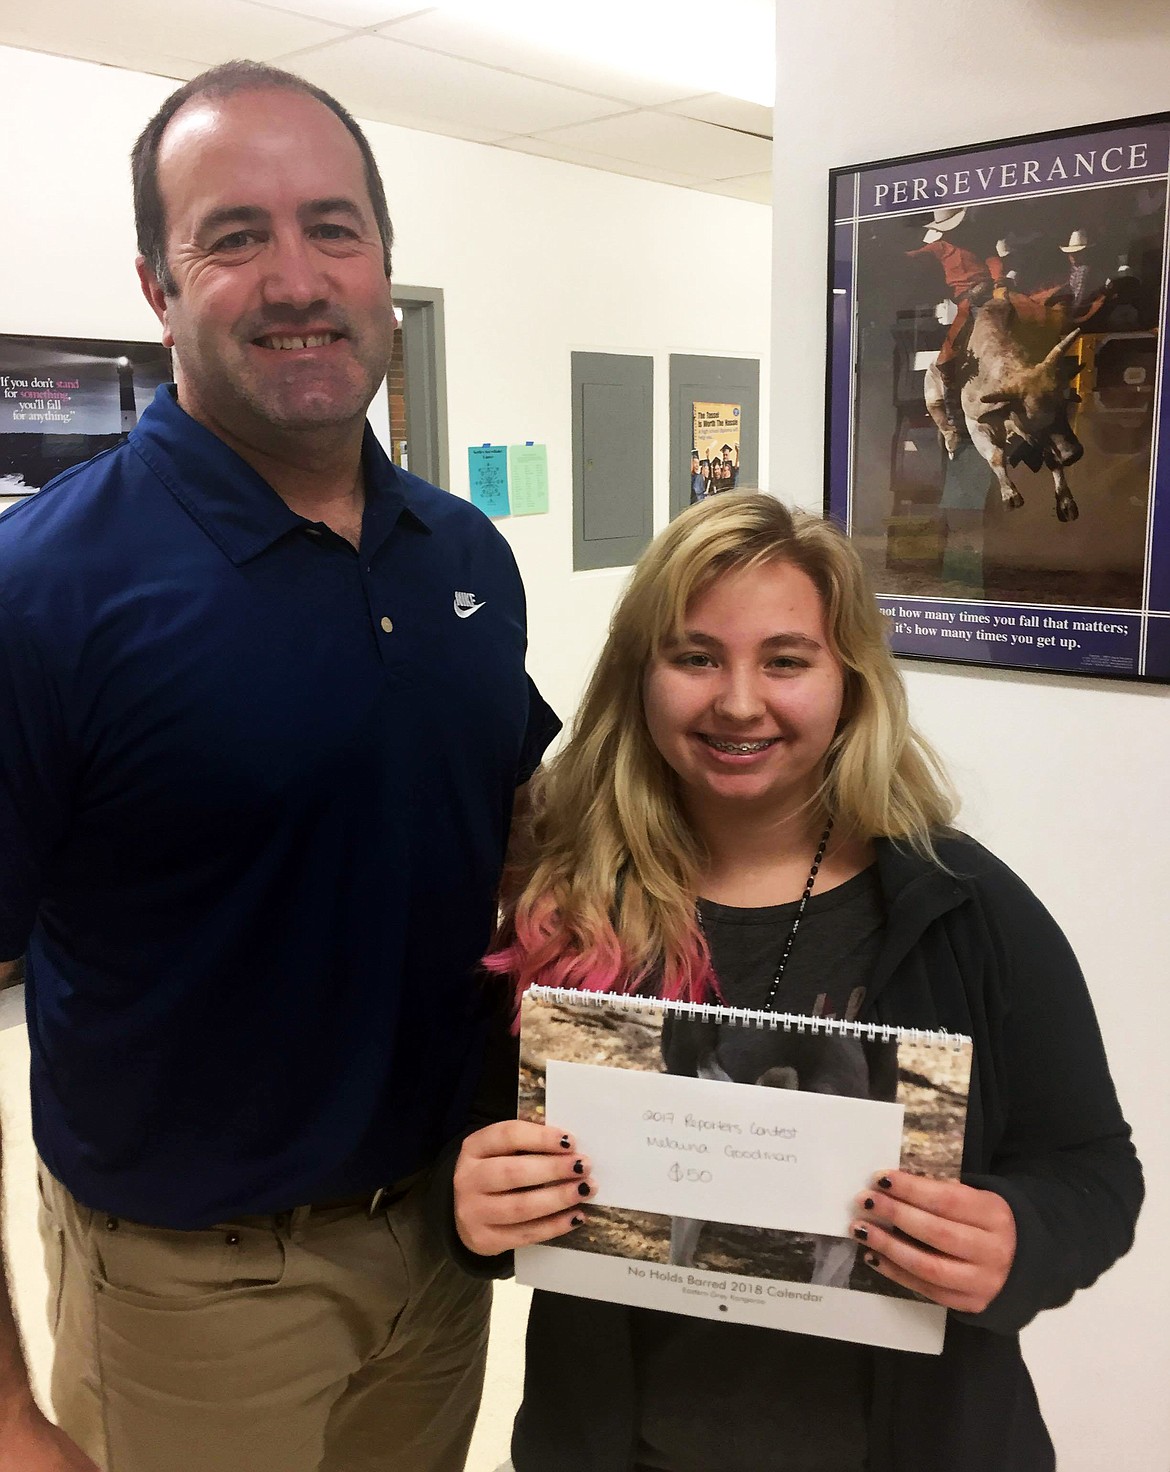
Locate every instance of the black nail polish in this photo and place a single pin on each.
(871, 1259)
(861, 1234)
(565, 1142)
(869, 1203)
(578, 1221)
(583, 1189)
(885, 1183)
(579, 1167)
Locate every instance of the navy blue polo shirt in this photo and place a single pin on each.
(255, 789)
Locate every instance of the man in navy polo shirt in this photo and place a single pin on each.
(263, 714)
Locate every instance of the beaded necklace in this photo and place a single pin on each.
(808, 888)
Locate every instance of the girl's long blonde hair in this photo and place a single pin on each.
(610, 902)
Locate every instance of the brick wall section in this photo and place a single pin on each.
(396, 393)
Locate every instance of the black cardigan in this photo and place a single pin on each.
(968, 948)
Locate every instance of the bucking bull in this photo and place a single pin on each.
(1014, 391)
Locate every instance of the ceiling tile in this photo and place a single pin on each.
(211, 31)
(672, 143)
(727, 112)
(459, 35)
(756, 187)
(345, 12)
(427, 68)
(379, 78)
(107, 53)
(564, 154)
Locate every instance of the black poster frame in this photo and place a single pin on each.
(963, 577)
(65, 399)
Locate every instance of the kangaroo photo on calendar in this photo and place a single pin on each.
(727, 1146)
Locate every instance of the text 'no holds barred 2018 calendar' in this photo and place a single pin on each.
(729, 1148)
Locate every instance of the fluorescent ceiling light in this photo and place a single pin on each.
(728, 48)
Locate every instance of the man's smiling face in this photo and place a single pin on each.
(282, 319)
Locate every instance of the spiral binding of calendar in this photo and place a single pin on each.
(747, 1017)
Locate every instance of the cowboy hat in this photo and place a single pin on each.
(947, 219)
(1078, 240)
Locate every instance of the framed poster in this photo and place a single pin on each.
(65, 399)
(715, 453)
(998, 443)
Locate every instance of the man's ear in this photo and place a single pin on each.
(156, 296)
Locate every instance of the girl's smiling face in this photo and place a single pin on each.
(744, 703)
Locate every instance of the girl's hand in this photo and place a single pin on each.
(518, 1183)
(964, 1240)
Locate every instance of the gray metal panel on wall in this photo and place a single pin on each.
(613, 458)
(695, 379)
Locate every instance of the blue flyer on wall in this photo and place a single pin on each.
(997, 437)
(487, 471)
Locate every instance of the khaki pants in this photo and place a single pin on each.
(320, 1342)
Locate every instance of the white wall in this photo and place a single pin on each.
(537, 259)
(1067, 779)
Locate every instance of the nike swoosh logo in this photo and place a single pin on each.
(465, 605)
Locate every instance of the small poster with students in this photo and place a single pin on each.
(715, 451)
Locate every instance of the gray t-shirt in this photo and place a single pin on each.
(734, 1396)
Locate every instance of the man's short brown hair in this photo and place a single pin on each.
(224, 81)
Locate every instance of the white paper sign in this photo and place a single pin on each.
(723, 1152)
